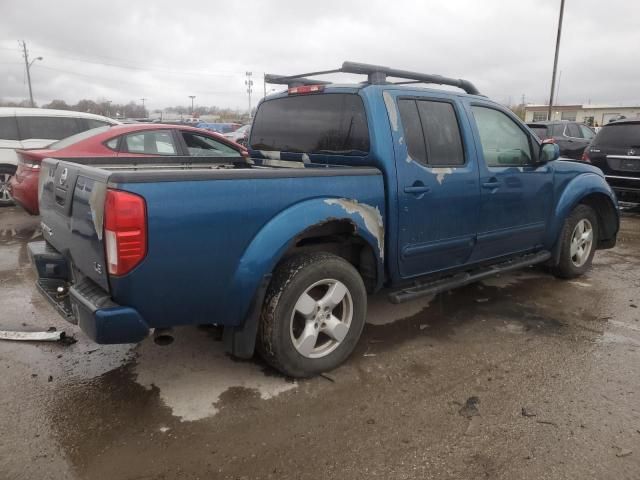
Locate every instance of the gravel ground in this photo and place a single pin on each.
(521, 376)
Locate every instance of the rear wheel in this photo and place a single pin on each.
(578, 242)
(313, 314)
(6, 172)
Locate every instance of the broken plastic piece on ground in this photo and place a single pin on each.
(48, 336)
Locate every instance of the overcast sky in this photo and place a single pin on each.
(166, 50)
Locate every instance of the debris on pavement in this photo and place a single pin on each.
(623, 452)
(48, 336)
(470, 408)
(527, 413)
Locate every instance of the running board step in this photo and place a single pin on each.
(465, 278)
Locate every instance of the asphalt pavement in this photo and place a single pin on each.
(522, 376)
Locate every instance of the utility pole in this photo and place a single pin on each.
(264, 84)
(108, 102)
(249, 83)
(555, 60)
(28, 64)
(144, 112)
(192, 97)
(558, 87)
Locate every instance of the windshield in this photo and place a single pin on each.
(333, 123)
(620, 135)
(65, 142)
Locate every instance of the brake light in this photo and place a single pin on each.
(306, 89)
(125, 231)
(585, 156)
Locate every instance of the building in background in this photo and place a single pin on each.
(593, 115)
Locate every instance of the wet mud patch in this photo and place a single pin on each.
(102, 413)
(20, 234)
(525, 302)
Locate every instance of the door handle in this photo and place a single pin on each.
(416, 189)
(491, 184)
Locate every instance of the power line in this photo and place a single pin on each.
(128, 64)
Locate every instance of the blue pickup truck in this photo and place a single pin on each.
(349, 188)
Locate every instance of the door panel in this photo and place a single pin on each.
(516, 195)
(437, 185)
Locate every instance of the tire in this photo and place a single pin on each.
(574, 259)
(6, 172)
(300, 304)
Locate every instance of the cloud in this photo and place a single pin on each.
(165, 51)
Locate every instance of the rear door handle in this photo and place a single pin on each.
(416, 189)
(491, 184)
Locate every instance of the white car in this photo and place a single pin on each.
(37, 128)
(240, 135)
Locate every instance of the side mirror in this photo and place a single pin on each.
(549, 152)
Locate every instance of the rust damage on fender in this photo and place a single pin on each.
(370, 215)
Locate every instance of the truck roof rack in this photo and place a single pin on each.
(376, 75)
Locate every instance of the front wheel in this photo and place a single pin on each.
(6, 172)
(579, 239)
(313, 314)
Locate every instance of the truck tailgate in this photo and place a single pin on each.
(71, 200)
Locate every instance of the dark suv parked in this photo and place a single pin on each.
(616, 151)
(571, 137)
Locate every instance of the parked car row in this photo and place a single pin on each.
(130, 140)
(26, 128)
(614, 148)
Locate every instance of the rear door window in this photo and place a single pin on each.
(586, 132)
(9, 128)
(49, 128)
(573, 131)
(153, 142)
(329, 123)
(203, 146)
(431, 132)
(557, 130)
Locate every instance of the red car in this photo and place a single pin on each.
(130, 140)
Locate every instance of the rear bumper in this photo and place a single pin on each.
(23, 187)
(84, 302)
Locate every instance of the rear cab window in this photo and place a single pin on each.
(327, 123)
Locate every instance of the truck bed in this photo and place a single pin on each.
(210, 225)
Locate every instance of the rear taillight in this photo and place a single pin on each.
(125, 231)
(585, 156)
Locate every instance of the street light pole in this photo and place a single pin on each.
(192, 97)
(28, 65)
(555, 60)
(249, 83)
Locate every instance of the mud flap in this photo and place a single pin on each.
(241, 341)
